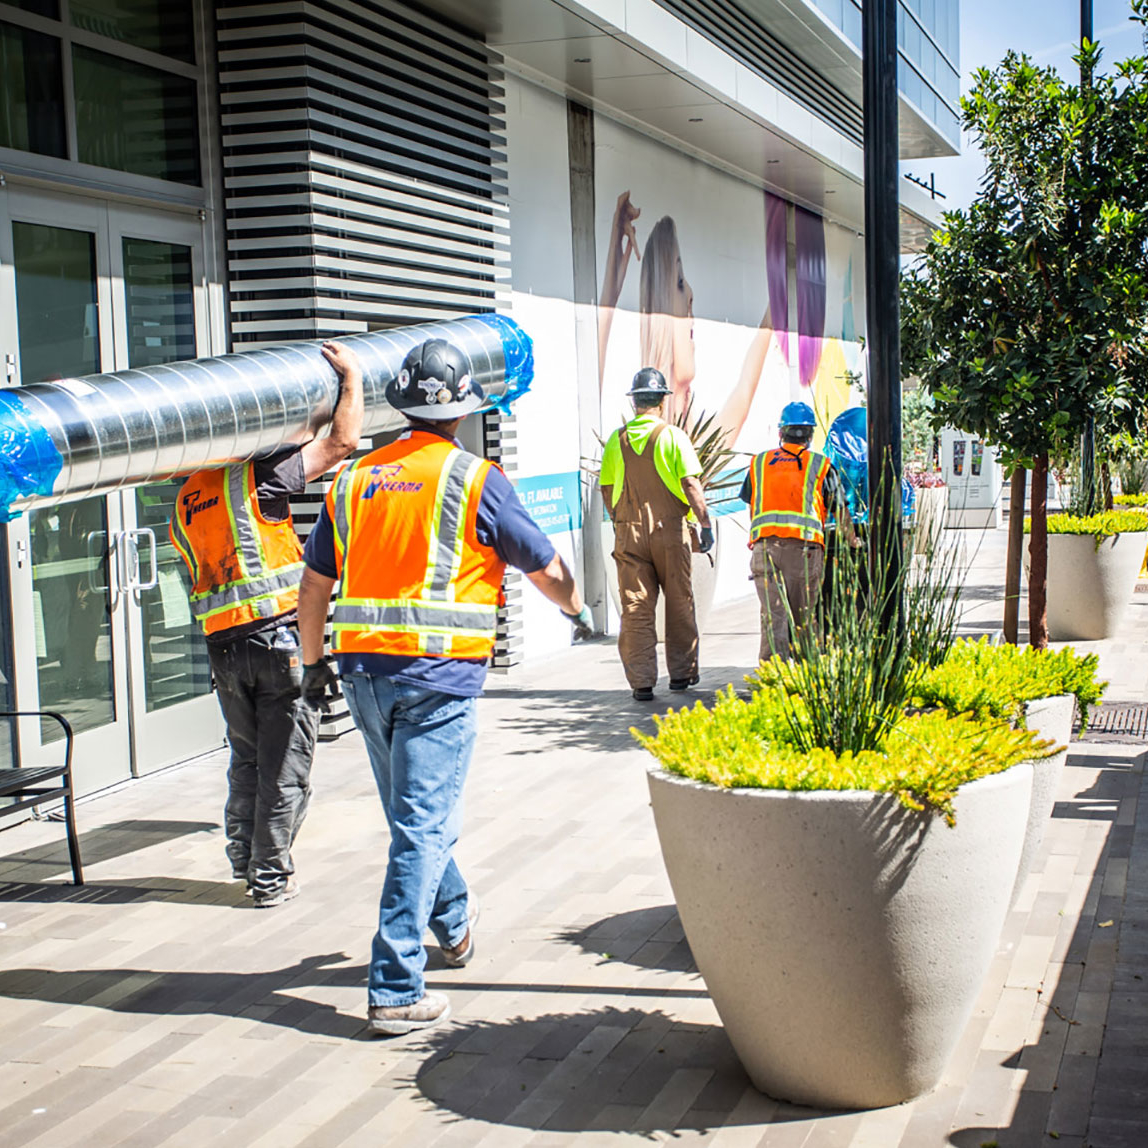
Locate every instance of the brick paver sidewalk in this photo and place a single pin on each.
(154, 1006)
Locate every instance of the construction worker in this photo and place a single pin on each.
(650, 484)
(791, 490)
(418, 535)
(233, 527)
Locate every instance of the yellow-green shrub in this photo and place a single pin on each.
(995, 681)
(1103, 525)
(748, 743)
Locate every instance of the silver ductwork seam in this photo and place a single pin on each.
(75, 438)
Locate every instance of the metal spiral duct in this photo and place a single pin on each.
(74, 438)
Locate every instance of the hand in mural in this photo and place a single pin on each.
(623, 244)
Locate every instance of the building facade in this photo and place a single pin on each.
(666, 182)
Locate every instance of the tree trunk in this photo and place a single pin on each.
(1015, 548)
(1106, 482)
(1038, 556)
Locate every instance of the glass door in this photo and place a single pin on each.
(158, 290)
(101, 626)
(68, 627)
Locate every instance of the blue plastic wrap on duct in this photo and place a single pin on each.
(29, 460)
(518, 355)
(847, 447)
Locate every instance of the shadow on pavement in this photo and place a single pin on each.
(175, 993)
(175, 890)
(1064, 1069)
(608, 1070)
(103, 844)
(649, 938)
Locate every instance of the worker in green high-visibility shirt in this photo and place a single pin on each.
(650, 483)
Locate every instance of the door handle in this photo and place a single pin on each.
(131, 559)
(96, 560)
(153, 557)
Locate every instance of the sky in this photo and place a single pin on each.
(1048, 30)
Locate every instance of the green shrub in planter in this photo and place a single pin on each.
(741, 743)
(987, 681)
(1103, 525)
(1131, 500)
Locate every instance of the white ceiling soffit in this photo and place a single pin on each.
(633, 60)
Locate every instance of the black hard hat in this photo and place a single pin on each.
(435, 384)
(649, 382)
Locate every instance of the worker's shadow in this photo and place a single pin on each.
(152, 992)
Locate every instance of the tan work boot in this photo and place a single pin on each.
(460, 955)
(394, 1020)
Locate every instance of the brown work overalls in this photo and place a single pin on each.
(652, 552)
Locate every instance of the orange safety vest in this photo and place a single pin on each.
(414, 580)
(243, 567)
(788, 495)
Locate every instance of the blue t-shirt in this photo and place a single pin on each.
(502, 525)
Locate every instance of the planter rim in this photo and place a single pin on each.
(660, 773)
(1093, 534)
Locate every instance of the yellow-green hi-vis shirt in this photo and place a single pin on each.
(674, 456)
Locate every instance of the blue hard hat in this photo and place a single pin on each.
(797, 415)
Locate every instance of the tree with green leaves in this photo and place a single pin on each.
(1027, 314)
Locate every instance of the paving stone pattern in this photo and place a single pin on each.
(154, 1006)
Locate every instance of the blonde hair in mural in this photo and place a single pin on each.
(656, 297)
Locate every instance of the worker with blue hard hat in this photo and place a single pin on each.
(791, 491)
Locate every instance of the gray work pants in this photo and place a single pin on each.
(272, 733)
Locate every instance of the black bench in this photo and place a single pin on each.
(34, 784)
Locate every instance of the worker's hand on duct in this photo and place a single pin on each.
(320, 454)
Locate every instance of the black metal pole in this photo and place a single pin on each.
(1088, 438)
(883, 306)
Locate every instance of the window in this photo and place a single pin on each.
(160, 27)
(134, 118)
(31, 92)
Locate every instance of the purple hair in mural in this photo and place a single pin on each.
(810, 293)
(776, 269)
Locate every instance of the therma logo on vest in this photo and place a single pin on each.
(387, 478)
(190, 506)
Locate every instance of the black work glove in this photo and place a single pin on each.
(319, 683)
(583, 623)
(707, 540)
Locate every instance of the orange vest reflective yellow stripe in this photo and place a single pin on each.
(243, 567)
(788, 495)
(414, 580)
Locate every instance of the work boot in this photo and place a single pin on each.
(394, 1020)
(679, 684)
(460, 955)
(644, 694)
(285, 892)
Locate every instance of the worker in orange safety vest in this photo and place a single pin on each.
(232, 525)
(791, 491)
(417, 536)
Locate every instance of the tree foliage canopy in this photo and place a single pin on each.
(1028, 312)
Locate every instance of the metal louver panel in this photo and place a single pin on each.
(743, 37)
(364, 168)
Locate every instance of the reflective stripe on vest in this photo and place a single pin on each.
(795, 510)
(268, 585)
(435, 619)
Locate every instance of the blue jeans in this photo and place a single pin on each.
(419, 742)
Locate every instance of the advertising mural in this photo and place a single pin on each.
(696, 270)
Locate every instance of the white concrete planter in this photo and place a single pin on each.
(704, 575)
(929, 518)
(842, 937)
(1089, 586)
(1051, 718)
